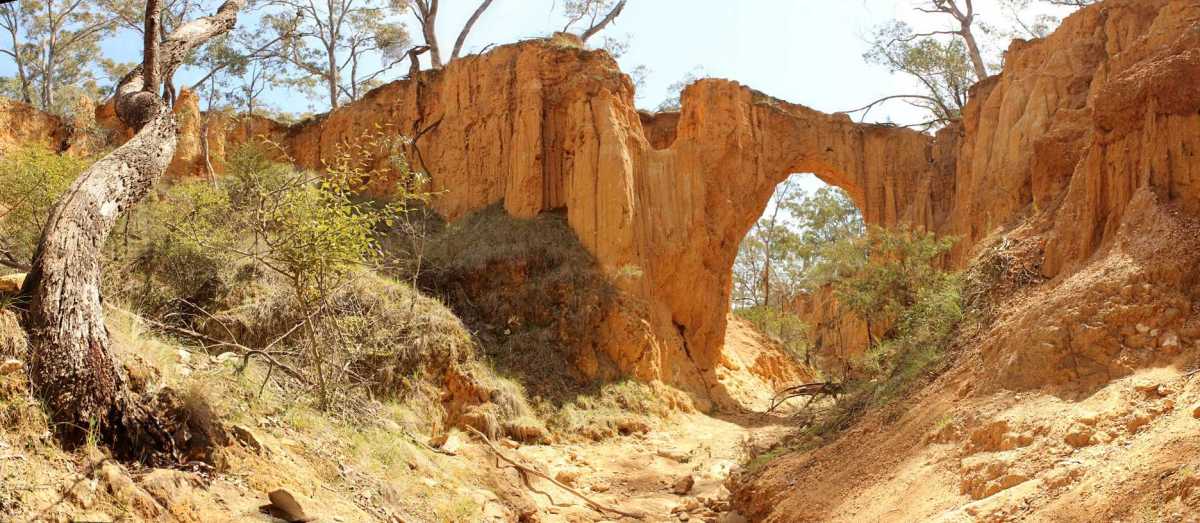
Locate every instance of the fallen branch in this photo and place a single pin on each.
(599, 507)
(245, 351)
(812, 390)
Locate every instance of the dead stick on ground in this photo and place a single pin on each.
(591, 502)
(246, 351)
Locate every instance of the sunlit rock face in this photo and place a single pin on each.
(1075, 126)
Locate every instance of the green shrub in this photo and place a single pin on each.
(606, 410)
(784, 327)
(893, 278)
(31, 180)
(272, 256)
(173, 257)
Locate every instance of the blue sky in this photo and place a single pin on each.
(803, 51)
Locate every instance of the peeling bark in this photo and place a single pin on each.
(71, 365)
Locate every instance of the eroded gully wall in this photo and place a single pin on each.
(1075, 126)
(542, 127)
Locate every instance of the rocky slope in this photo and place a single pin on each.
(22, 124)
(1075, 400)
(1080, 126)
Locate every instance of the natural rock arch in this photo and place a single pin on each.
(661, 201)
(731, 147)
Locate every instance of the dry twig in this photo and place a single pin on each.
(812, 390)
(599, 507)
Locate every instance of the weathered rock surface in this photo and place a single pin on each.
(542, 128)
(22, 124)
(1076, 126)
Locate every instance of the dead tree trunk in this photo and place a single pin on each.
(71, 365)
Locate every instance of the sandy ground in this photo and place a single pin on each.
(639, 474)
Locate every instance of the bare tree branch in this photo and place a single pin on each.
(462, 36)
(608, 19)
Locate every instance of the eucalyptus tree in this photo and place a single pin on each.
(595, 15)
(946, 61)
(426, 14)
(941, 66)
(345, 45)
(71, 365)
(963, 14)
(53, 44)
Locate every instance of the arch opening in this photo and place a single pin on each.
(779, 279)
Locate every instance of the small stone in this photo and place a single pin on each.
(1089, 418)
(248, 437)
(600, 487)
(1137, 421)
(1170, 341)
(83, 493)
(684, 485)
(286, 506)
(172, 488)
(184, 356)
(226, 357)
(1166, 406)
(1142, 328)
(449, 442)
(11, 367)
(1153, 390)
(675, 455)
(567, 477)
(97, 517)
(1080, 436)
(1196, 412)
(126, 492)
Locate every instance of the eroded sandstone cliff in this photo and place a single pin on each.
(542, 127)
(661, 201)
(1076, 125)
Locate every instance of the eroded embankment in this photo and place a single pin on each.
(1075, 399)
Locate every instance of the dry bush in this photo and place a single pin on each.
(13, 342)
(528, 290)
(377, 332)
(608, 410)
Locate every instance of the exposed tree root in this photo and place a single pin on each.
(165, 429)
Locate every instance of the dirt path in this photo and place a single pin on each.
(640, 473)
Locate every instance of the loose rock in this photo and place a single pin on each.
(248, 438)
(11, 367)
(675, 455)
(284, 505)
(450, 442)
(684, 485)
